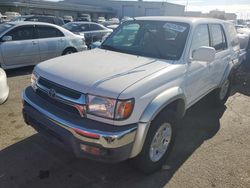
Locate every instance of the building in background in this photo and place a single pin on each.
(96, 8)
(136, 8)
(212, 14)
(25, 7)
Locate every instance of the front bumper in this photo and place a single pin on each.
(115, 143)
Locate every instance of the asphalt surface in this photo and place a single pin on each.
(212, 149)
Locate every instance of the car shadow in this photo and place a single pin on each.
(34, 162)
(241, 82)
(19, 71)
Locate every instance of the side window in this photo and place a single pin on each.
(232, 34)
(22, 33)
(84, 27)
(218, 37)
(48, 32)
(200, 37)
(94, 27)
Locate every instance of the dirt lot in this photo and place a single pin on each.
(212, 149)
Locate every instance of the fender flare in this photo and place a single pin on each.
(152, 110)
(228, 72)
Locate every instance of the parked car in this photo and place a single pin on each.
(113, 27)
(244, 36)
(11, 15)
(84, 18)
(3, 19)
(68, 19)
(97, 44)
(28, 43)
(111, 21)
(91, 31)
(4, 88)
(123, 101)
(40, 18)
(101, 20)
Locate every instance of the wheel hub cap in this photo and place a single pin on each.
(160, 142)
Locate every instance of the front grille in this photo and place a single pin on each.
(65, 105)
(59, 88)
(58, 104)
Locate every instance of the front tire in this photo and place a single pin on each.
(158, 144)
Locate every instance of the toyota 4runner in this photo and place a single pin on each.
(122, 101)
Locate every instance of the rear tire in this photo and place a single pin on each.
(68, 51)
(221, 94)
(157, 148)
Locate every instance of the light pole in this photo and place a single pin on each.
(186, 5)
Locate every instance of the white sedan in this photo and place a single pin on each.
(4, 88)
(28, 43)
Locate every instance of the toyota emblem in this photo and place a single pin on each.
(52, 93)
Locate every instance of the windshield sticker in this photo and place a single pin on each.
(174, 27)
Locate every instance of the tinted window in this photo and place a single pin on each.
(200, 37)
(156, 39)
(218, 37)
(22, 33)
(76, 27)
(48, 32)
(95, 27)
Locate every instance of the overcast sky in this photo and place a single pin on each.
(241, 7)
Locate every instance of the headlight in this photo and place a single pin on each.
(109, 108)
(101, 106)
(34, 79)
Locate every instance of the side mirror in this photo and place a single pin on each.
(7, 38)
(204, 53)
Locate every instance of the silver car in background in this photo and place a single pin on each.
(28, 43)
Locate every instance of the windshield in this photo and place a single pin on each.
(4, 27)
(156, 39)
(75, 27)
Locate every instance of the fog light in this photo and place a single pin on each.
(90, 149)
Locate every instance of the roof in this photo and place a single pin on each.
(190, 20)
(18, 23)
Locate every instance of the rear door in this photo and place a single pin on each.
(51, 41)
(23, 49)
(223, 54)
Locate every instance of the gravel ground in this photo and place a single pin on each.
(212, 149)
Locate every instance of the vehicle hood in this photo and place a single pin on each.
(99, 72)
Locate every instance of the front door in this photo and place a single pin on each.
(198, 72)
(23, 49)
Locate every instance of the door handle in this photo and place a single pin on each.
(34, 42)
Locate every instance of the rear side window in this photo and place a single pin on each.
(218, 37)
(22, 33)
(95, 27)
(48, 32)
(200, 37)
(232, 34)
